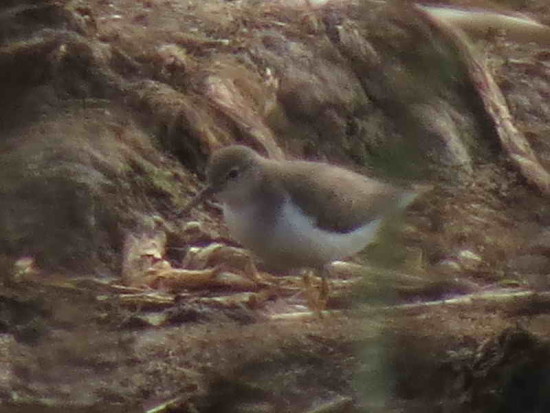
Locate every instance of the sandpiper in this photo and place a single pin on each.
(298, 214)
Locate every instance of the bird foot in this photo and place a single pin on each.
(317, 298)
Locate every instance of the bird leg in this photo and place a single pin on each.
(251, 271)
(325, 287)
(311, 297)
(316, 298)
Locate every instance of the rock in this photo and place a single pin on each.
(534, 268)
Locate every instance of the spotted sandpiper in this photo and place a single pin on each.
(298, 214)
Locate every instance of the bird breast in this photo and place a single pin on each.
(291, 238)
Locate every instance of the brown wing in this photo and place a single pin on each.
(340, 200)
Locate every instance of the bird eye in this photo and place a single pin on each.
(233, 173)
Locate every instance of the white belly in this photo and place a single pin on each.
(294, 240)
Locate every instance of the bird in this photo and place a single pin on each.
(295, 214)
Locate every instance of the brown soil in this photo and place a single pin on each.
(112, 302)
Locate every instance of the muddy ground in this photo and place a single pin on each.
(112, 301)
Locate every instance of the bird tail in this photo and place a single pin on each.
(410, 195)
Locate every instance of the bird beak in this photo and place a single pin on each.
(200, 197)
